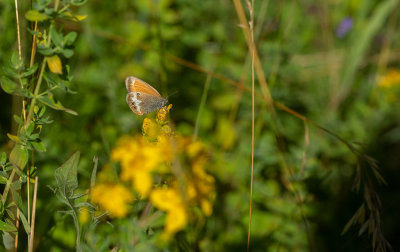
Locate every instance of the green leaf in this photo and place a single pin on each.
(34, 15)
(3, 159)
(56, 37)
(16, 195)
(14, 138)
(70, 38)
(94, 172)
(30, 128)
(19, 120)
(46, 51)
(16, 63)
(39, 146)
(49, 101)
(25, 222)
(78, 2)
(8, 85)
(67, 53)
(29, 71)
(66, 176)
(7, 227)
(8, 241)
(3, 180)
(19, 156)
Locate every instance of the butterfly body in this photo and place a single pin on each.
(142, 98)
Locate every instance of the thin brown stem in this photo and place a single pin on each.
(32, 233)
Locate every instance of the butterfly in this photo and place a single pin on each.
(142, 98)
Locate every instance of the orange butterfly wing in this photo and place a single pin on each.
(134, 84)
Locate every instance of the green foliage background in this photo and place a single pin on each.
(331, 80)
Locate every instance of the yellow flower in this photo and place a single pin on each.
(176, 219)
(390, 79)
(143, 182)
(114, 198)
(163, 112)
(139, 158)
(151, 129)
(170, 201)
(165, 198)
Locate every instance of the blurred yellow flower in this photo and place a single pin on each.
(170, 201)
(390, 79)
(139, 158)
(114, 198)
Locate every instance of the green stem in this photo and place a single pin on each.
(7, 188)
(33, 102)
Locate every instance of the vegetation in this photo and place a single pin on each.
(281, 132)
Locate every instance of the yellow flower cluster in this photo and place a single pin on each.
(390, 79)
(179, 163)
(139, 158)
(114, 198)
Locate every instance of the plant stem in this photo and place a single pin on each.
(7, 188)
(32, 235)
(33, 102)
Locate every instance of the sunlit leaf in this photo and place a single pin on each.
(19, 156)
(34, 15)
(14, 138)
(54, 64)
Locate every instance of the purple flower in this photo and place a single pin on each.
(344, 27)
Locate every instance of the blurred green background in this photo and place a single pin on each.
(336, 62)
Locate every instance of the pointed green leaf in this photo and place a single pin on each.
(29, 71)
(70, 38)
(7, 227)
(18, 120)
(56, 37)
(39, 146)
(66, 175)
(25, 222)
(30, 128)
(14, 138)
(49, 101)
(94, 172)
(34, 15)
